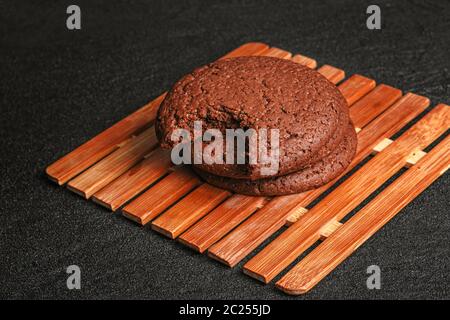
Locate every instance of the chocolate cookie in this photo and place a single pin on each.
(314, 176)
(258, 92)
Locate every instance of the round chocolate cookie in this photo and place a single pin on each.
(314, 176)
(255, 93)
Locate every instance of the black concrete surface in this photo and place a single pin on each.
(60, 87)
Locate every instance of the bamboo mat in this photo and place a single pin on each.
(123, 168)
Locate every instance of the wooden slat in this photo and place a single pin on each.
(295, 214)
(135, 180)
(306, 61)
(109, 140)
(161, 196)
(327, 230)
(253, 231)
(373, 104)
(389, 123)
(189, 210)
(111, 167)
(412, 159)
(333, 74)
(103, 144)
(246, 237)
(382, 145)
(220, 221)
(306, 231)
(356, 87)
(278, 53)
(385, 125)
(329, 254)
(248, 49)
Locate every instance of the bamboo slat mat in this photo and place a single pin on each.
(123, 168)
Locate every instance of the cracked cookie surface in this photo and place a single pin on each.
(258, 92)
(308, 178)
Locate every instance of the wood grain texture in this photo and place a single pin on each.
(373, 104)
(306, 231)
(356, 87)
(412, 159)
(253, 231)
(103, 144)
(135, 180)
(277, 53)
(111, 167)
(306, 61)
(247, 49)
(189, 210)
(333, 74)
(351, 235)
(161, 196)
(328, 229)
(389, 123)
(295, 214)
(220, 221)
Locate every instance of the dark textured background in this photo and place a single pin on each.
(59, 88)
